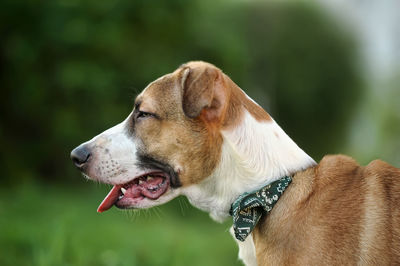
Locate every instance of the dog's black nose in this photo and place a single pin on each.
(80, 156)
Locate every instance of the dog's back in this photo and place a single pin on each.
(337, 213)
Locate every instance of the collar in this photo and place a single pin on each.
(247, 210)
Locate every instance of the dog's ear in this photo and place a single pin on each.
(203, 93)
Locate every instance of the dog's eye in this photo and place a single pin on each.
(141, 114)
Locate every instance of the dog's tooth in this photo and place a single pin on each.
(149, 178)
(140, 181)
(123, 190)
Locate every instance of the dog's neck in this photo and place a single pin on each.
(253, 154)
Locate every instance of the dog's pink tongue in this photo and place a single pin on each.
(110, 199)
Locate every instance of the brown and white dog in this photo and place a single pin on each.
(194, 132)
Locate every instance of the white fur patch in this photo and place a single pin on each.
(247, 250)
(114, 156)
(253, 154)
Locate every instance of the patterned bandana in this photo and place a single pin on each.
(249, 207)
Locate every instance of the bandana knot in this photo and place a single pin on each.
(247, 210)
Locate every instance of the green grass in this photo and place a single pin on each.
(56, 225)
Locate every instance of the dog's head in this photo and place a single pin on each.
(171, 140)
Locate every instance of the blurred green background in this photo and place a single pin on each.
(70, 69)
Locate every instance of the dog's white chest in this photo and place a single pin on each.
(247, 250)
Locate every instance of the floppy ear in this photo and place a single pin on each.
(202, 92)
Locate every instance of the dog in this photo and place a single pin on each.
(194, 132)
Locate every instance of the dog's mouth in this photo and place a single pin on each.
(151, 186)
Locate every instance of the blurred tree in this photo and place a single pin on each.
(305, 66)
(70, 69)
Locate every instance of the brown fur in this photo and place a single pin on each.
(337, 213)
(238, 98)
(222, 93)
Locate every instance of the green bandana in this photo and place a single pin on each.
(249, 207)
